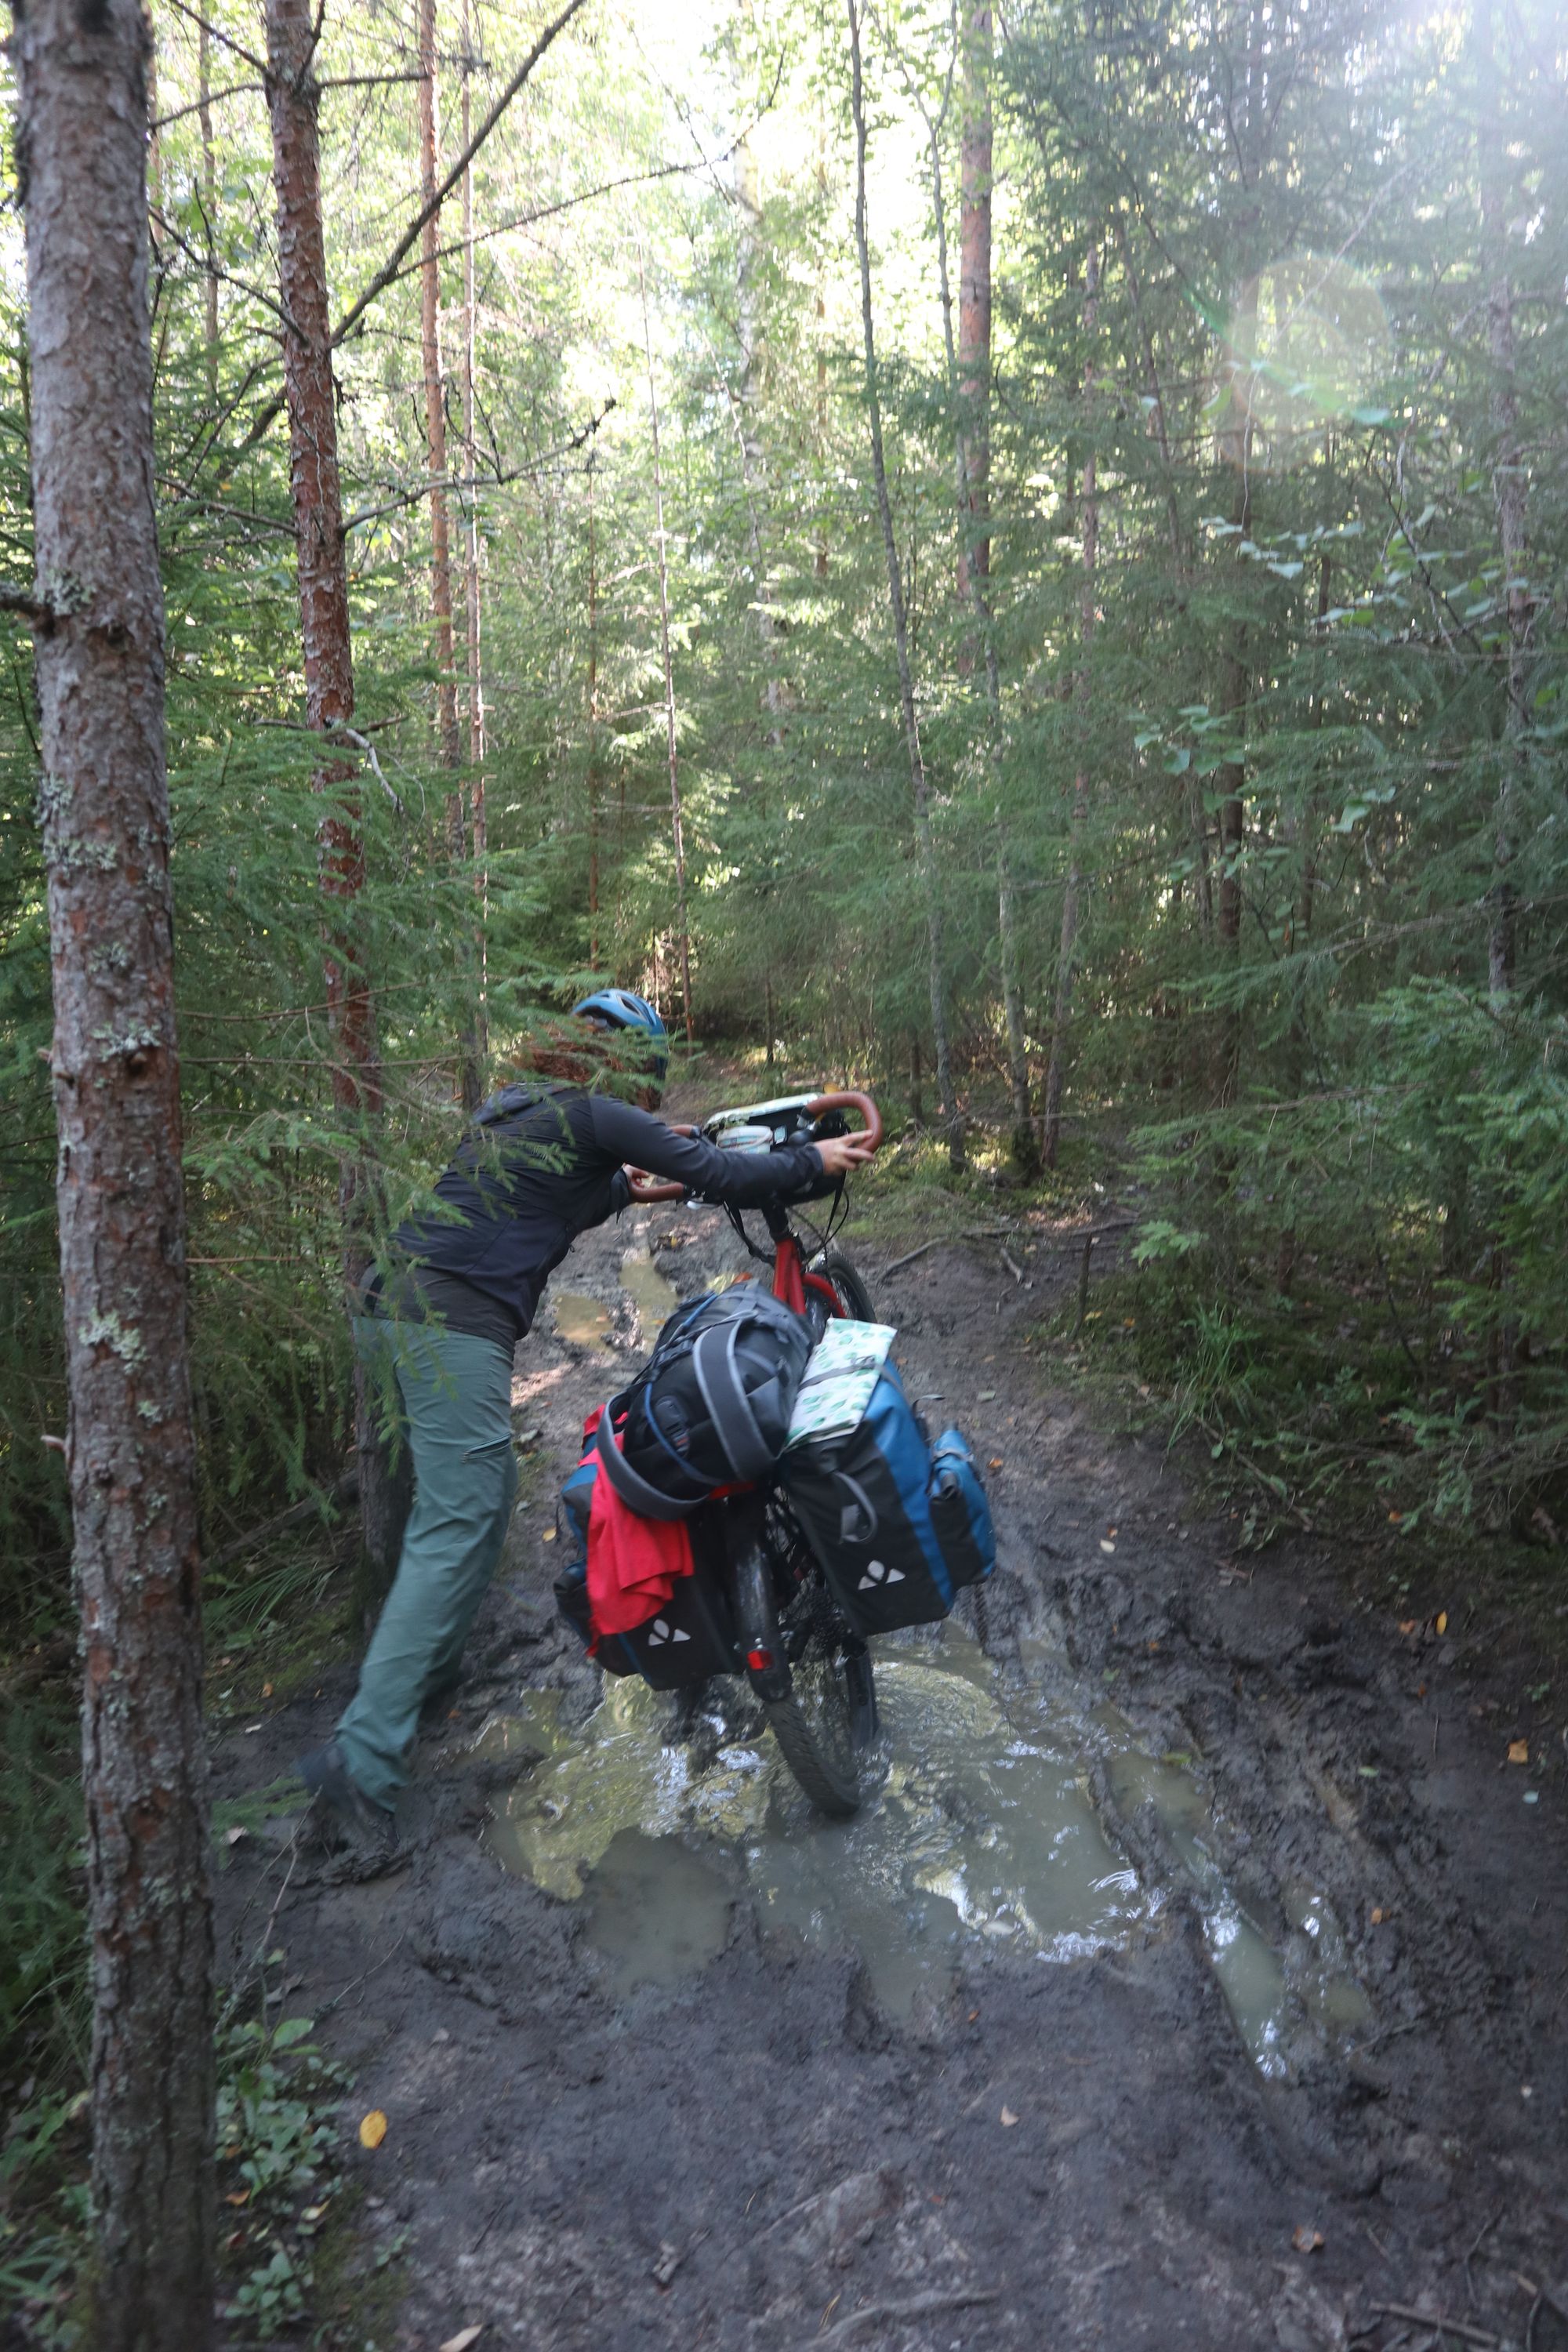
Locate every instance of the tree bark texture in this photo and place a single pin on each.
(82, 124)
(920, 790)
(677, 833)
(293, 100)
(1072, 894)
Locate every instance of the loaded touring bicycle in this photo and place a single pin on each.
(763, 1500)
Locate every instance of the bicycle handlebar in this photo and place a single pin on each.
(821, 1104)
(647, 1189)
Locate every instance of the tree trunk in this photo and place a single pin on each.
(82, 121)
(209, 200)
(1066, 953)
(293, 100)
(753, 466)
(975, 308)
(969, 384)
(924, 845)
(479, 828)
(1235, 450)
(677, 836)
(448, 736)
(593, 779)
(1509, 492)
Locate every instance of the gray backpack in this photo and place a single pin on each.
(711, 1407)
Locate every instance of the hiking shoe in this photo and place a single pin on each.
(325, 1772)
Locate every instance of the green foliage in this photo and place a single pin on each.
(279, 2133)
(43, 1993)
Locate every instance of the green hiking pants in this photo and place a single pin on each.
(456, 1397)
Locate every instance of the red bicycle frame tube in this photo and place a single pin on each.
(791, 1280)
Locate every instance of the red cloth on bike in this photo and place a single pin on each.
(634, 1564)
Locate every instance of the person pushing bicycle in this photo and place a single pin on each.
(544, 1160)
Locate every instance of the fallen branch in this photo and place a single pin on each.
(917, 2307)
(947, 1241)
(1460, 2328)
(909, 1258)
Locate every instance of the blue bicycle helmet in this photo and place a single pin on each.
(617, 1008)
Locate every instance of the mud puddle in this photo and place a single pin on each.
(981, 1837)
(653, 1297)
(586, 1321)
(583, 1320)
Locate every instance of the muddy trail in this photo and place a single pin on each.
(1194, 1973)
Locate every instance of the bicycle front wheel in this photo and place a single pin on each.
(815, 1728)
(849, 1288)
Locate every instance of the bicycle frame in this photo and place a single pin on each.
(792, 1278)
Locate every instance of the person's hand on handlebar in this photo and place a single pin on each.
(842, 1154)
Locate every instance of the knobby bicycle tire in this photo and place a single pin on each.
(831, 1788)
(850, 1287)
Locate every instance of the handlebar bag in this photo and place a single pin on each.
(711, 1407)
(689, 1636)
(898, 1526)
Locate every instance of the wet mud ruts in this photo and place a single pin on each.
(747, 2130)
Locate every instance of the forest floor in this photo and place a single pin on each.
(1198, 1971)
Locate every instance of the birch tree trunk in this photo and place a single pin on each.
(293, 100)
(676, 833)
(919, 788)
(99, 651)
(1072, 894)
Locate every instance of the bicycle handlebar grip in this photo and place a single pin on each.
(851, 1101)
(657, 1189)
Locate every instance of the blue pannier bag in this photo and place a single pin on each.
(899, 1526)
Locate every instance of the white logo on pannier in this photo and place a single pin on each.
(877, 1574)
(664, 1631)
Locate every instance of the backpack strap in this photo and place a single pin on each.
(729, 1407)
(630, 1484)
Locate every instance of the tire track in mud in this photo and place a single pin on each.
(761, 2157)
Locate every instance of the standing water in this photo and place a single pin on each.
(981, 1838)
